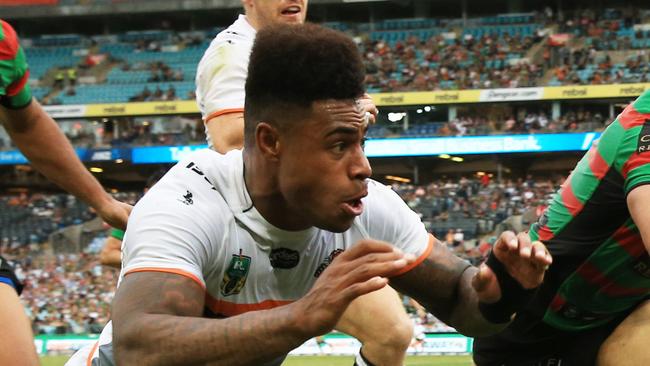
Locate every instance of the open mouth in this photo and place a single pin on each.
(353, 207)
(292, 10)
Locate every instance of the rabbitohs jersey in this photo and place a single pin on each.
(14, 72)
(601, 268)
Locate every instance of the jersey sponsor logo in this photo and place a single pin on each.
(187, 199)
(284, 258)
(644, 138)
(327, 262)
(234, 278)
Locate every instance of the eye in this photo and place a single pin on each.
(339, 147)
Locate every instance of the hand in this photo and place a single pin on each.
(114, 212)
(367, 105)
(362, 269)
(526, 262)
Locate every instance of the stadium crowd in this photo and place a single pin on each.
(71, 293)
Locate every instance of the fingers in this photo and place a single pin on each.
(359, 289)
(540, 255)
(486, 285)
(366, 247)
(376, 264)
(508, 241)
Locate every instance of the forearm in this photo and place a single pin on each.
(227, 132)
(16, 339)
(49, 151)
(465, 316)
(247, 339)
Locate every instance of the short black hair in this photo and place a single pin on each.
(291, 66)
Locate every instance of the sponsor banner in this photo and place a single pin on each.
(435, 97)
(331, 344)
(512, 94)
(15, 157)
(479, 144)
(12, 158)
(66, 111)
(141, 108)
(595, 91)
(62, 344)
(162, 154)
(341, 344)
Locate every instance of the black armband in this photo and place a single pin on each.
(513, 295)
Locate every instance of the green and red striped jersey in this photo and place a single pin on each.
(601, 267)
(14, 72)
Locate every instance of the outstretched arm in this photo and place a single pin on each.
(451, 288)
(49, 151)
(157, 316)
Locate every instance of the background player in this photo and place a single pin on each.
(220, 80)
(598, 231)
(281, 247)
(40, 140)
(111, 254)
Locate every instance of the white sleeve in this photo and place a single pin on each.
(387, 218)
(173, 227)
(221, 78)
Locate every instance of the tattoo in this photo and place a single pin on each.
(434, 283)
(157, 321)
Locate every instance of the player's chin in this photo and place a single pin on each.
(337, 225)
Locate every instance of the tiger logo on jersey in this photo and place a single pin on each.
(236, 274)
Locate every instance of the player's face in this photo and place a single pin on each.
(268, 12)
(323, 168)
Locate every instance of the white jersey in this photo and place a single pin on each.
(222, 71)
(198, 221)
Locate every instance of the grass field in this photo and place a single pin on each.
(328, 361)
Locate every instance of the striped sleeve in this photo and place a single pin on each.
(633, 155)
(15, 92)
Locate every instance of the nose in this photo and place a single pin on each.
(360, 167)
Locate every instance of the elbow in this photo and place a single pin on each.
(128, 346)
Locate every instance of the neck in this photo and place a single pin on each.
(262, 187)
(252, 21)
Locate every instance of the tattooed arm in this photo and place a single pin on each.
(157, 316)
(451, 288)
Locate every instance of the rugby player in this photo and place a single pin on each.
(598, 232)
(237, 259)
(220, 80)
(40, 140)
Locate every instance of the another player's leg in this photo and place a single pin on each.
(628, 344)
(378, 320)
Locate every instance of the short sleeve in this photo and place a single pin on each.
(8, 277)
(386, 217)
(636, 168)
(173, 226)
(15, 92)
(221, 79)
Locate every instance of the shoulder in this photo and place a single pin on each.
(187, 193)
(9, 45)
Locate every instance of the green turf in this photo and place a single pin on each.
(326, 361)
(410, 361)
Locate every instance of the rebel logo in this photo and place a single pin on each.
(284, 258)
(644, 138)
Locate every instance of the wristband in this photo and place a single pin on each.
(513, 295)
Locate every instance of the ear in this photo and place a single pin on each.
(267, 138)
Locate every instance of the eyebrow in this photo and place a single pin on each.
(343, 130)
